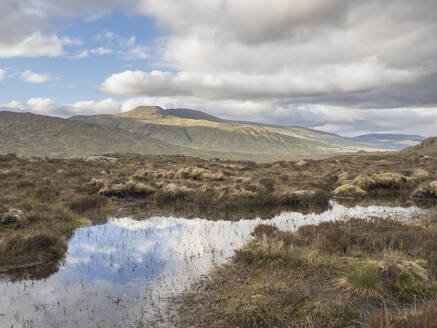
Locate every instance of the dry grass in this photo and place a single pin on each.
(59, 194)
(335, 274)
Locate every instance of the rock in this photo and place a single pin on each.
(389, 180)
(349, 191)
(100, 158)
(13, 216)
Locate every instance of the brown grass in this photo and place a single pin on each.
(336, 274)
(58, 193)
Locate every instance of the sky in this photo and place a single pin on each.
(345, 66)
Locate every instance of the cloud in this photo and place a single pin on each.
(25, 24)
(102, 51)
(36, 45)
(81, 54)
(367, 75)
(47, 106)
(32, 77)
(106, 106)
(42, 105)
(329, 52)
(2, 74)
(105, 35)
(136, 52)
(291, 61)
(13, 105)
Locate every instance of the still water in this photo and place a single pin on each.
(122, 273)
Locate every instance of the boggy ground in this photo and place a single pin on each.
(43, 200)
(358, 273)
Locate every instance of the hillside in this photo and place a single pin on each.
(427, 147)
(36, 135)
(197, 130)
(390, 141)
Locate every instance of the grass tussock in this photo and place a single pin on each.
(358, 273)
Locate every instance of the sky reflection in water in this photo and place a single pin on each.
(122, 273)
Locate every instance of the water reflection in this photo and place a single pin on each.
(121, 274)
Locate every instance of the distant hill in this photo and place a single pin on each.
(200, 131)
(426, 147)
(37, 135)
(390, 141)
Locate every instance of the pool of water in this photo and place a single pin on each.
(122, 273)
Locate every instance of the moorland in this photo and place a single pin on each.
(370, 273)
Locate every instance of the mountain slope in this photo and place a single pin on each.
(36, 135)
(197, 130)
(390, 141)
(427, 147)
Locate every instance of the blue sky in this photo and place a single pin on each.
(73, 77)
(323, 64)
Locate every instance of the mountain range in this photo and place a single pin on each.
(154, 130)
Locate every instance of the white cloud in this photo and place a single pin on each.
(131, 42)
(81, 54)
(300, 49)
(42, 105)
(356, 77)
(32, 77)
(14, 105)
(138, 52)
(47, 106)
(2, 74)
(102, 51)
(105, 35)
(106, 106)
(35, 45)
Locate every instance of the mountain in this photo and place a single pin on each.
(390, 141)
(36, 135)
(197, 130)
(427, 147)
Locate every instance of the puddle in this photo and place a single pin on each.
(122, 273)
